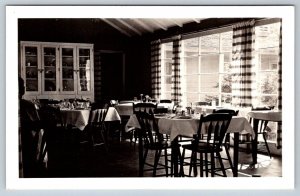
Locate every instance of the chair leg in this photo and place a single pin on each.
(156, 160)
(144, 160)
(221, 164)
(266, 143)
(201, 164)
(206, 164)
(194, 157)
(229, 157)
(212, 159)
(166, 161)
(182, 161)
(104, 140)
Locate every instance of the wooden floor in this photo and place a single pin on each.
(69, 158)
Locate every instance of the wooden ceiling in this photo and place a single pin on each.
(140, 26)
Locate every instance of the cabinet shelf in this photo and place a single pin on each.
(52, 70)
(68, 79)
(31, 79)
(31, 66)
(31, 55)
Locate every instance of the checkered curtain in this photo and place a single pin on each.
(156, 69)
(280, 70)
(242, 66)
(279, 124)
(176, 88)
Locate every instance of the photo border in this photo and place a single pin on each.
(13, 13)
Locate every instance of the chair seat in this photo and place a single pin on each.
(201, 148)
(158, 145)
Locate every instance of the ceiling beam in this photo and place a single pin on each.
(197, 20)
(129, 26)
(143, 24)
(116, 27)
(159, 24)
(176, 22)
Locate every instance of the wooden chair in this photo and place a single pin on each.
(215, 127)
(153, 140)
(96, 127)
(141, 107)
(227, 136)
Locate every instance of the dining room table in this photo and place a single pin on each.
(268, 115)
(176, 126)
(80, 117)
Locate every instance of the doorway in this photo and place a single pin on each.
(109, 75)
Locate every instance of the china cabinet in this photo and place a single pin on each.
(57, 70)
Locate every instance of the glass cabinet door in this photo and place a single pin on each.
(49, 76)
(31, 69)
(67, 69)
(84, 80)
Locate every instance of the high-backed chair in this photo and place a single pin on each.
(96, 127)
(153, 140)
(214, 126)
(141, 107)
(227, 111)
(232, 112)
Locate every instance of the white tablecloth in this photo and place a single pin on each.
(269, 115)
(80, 118)
(125, 109)
(188, 127)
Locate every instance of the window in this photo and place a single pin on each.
(267, 50)
(205, 67)
(166, 70)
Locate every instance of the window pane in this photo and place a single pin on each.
(210, 44)
(268, 59)
(268, 83)
(209, 64)
(226, 99)
(226, 83)
(209, 97)
(191, 65)
(168, 48)
(168, 67)
(209, 83)
(267, 36)
(268, 100)
(226, 42)
(191, 47)
(191, 97)
(192, 82)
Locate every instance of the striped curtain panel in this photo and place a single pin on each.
(156, 69)
(176, 88)
(279, 125)
(242, 66)
(279, 104)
